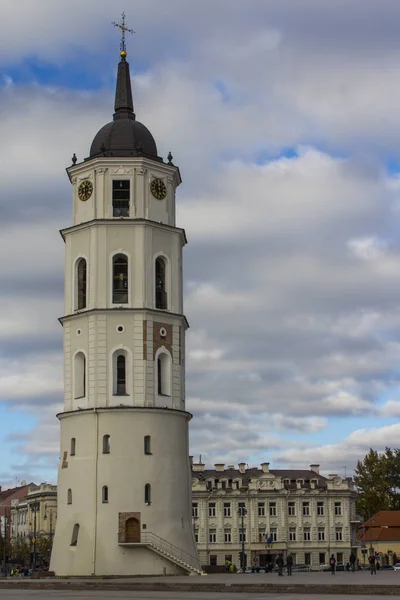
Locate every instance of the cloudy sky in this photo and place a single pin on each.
(284, 119)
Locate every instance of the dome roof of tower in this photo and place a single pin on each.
(124, 136)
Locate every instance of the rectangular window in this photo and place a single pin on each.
(307, 534)
(322, 558)
(261, 509)
(292, 534)
(272, 509)
(273, 534)
(196, 536)
(261, 535)
(228, 557)
(195, 510)
(338, 509)
(339, 557)
(227, 536)
(212, 536)
(321, 534)
(306, 509)
(211, 509)
(291, 509)
(120, 197)
(242, 535)
(338, 534)
(223, 485)
(320, 509)
(242, 508)
(307, 558)
(213, 560)
(227, 509)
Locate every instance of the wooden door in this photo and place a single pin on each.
(132, 529)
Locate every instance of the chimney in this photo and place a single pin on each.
(242, 468)
(332, 475)
(315, 468)
(265, 467)
(230, 467)
(198, 466)
(219, 466)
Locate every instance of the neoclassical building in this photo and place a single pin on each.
(124, 497)
(296, 511)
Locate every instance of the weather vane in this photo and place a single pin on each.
(124, 29)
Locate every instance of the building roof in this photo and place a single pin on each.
(255, 473)
(124, 136)
(389, 518)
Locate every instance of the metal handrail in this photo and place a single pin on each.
(151, 538)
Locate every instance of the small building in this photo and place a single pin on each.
(284, 510)
(380, 535)
(7, 499)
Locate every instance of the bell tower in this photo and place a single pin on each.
(124, 493)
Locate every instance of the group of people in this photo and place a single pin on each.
(21, 572)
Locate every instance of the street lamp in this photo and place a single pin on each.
(242, 513)
(50, 511)
(35, 508)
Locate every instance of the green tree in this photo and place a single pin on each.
(371, 479)
(19, 551)
(393, 476)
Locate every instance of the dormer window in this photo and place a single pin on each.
(286, 482)
(121, 197)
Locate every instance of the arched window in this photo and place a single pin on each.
(164, 374)
(147, 446)
(69, 496)
(161, 293)
(120, 279)
(81, 277)
(75, 534)
(147, 493)
(121, 375)
(106, 444)
(73, 446)
(79, 375)
(105, 494)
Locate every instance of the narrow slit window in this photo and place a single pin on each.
(79, 375)
(105, 494)
(75, 534)
(147, 446)
(121, 375)
(120, 279)
(147, 493)
(121, 192)
(81, 280)
(106, 444)
(73, 446)
(164, 375)
(69, 496)
(161, 293)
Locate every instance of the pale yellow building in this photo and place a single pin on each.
(380, 535)
(296, 511)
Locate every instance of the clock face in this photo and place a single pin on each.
(158, 189)
(85, 190)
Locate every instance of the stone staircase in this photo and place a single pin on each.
(174, 554)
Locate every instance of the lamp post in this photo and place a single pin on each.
(242, 513)
(35, 507)
(5, 544)
(50, 512)
(370, 537)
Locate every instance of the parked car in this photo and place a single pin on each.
(301, 567)
(396, 567)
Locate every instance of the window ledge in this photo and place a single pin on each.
(79, 397)
(121, 395)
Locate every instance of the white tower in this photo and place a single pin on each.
(124, 492)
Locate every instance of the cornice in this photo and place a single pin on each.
(108, 409)
(145, 310)
(124, 221)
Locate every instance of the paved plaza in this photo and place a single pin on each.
(132, 595)
(213, 587)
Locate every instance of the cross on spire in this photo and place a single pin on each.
(124, 30)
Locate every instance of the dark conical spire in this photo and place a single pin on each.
(123, 92)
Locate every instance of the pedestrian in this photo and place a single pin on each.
(289, 563)
(372, 565)
(332, 563)
(353, 562)
(280, 563)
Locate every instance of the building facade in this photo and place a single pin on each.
(380, 535)
(296, 511)
(124, 497)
